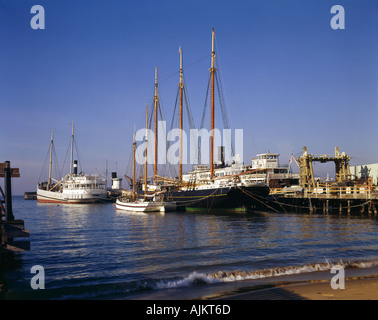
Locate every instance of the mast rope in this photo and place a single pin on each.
(187, 67)
(203, 117)
(56, 164)
(224, 113)
(78, 155)
(188, 110)
(44, 164)
(198, 200)
(250, 195)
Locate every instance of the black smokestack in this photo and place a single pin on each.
(221, 156)
(75, 167)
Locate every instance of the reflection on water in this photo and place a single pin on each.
(96, 246)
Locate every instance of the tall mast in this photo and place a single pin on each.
(212, 71)
(72, 142)
(145, 163)
(156, 99)
(181, 86)
(134, 144)
(51, 148)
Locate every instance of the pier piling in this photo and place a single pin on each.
(8, 191)
(349, 199)
(345, 193)
(10, 228)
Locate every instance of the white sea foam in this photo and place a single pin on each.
(230, 276)
(194, 278)
(198, 278)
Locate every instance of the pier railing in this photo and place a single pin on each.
(325, 190)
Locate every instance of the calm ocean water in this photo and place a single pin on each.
(97, 252)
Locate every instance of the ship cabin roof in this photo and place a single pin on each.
(268, 155)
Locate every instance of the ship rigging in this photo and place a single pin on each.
(209, 188)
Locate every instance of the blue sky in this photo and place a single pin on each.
(290, 80)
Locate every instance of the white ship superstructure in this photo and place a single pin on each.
(74, 187)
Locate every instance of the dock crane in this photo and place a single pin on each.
(306, 172)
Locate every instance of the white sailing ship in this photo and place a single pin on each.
(74, 187)
(144, 203)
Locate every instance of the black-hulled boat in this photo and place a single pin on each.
(228, 190)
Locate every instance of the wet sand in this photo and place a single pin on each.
(355, 289)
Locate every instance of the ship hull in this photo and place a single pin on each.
(45, 196)
(234, 198)
(144, 206)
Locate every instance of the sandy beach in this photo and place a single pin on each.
(358, 289)
(355, 289)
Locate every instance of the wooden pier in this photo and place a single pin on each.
(326, 198)
(346, 194)
(30, 195)
(10, 228)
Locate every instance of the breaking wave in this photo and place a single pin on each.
(121, 290)
(230, 276)
(196, 278)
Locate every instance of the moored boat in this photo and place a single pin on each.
(74, 187)
(228, 190)
(146, 203)
(211, 188)
(142, 205)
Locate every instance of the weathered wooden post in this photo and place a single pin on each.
(8, 192)
(362, 208)
(9, 227)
